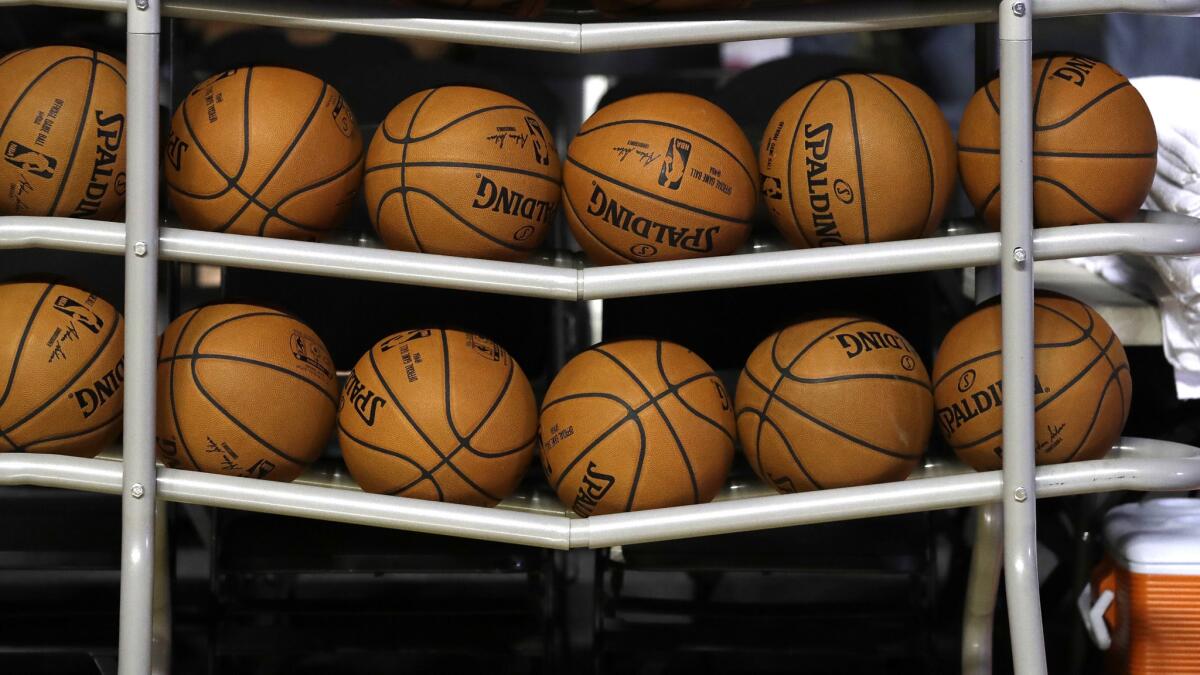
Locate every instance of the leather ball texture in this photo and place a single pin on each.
(438, 414)
(660, 176)
(243, 390)
(1094, 145)
(834, 402)
(463, 171)
(62, 369)
(263, 151)
(62, 133)
(633, 425)
(1082, 387)
(857, 158)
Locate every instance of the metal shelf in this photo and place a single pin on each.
(572, 34)
(1134, 464)
(1158, 234)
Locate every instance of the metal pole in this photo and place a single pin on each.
(1016, 285)
(160, 656)
(980, 612)
(141, 271)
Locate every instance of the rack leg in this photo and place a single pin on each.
(160, 654)
(141, 272)
(978, 616)
(1016, 285)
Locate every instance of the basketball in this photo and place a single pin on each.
(833, 402)
(263, 151)
(637, 424)
(463, 171)
(243, 390)
(1094, 145)
(856, 159)
(62, 367)
(1082, 386)
(440, 415)
(659, 177)
(62, 132)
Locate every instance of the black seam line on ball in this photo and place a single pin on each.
(1090, 332)
(283, 158)
(464, 442)
(687, 462)
(763, 419)
(679, 396)
(465, 165)
(829, 427)
(413, 423)
(1075, 115)
(410, 139)
(12, 56)
(69, 383)
(273, 212)
(987, 201)
(791, 157)
(651, 195)
(25, 92)
(859, 376)
(1051, 153)
(677, 127)
(412, 121)
(66, 437)
(231, 182)
(1048, 400)
(84, 117)
(392, 453)
(171, 386)
(253, 362)
(1115, 375)
(1037, 95)
(16, 361)
(862, 188)
(921, 135)
(1071, 193)
(462, 219)
(571, 205)
(631, 413)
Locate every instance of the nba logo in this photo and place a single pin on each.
(30, 160)
(678, 151)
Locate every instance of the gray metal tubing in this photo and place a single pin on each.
(1021, 582)
(1162, 234)
(141, 332)
(160, 650)
(1135, 464)
(574, 37)
(987, 560)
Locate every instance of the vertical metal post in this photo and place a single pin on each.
(979, 614)
(141, 283)
(1016, 286)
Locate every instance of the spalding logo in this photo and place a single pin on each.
(1075, 70)
(698, 239)
(364, 401)
(110, 131)
(91, 398)
(816, 144)
(595, 486)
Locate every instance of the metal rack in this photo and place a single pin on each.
(1006, 499)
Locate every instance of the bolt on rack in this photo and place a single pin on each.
(1005, 500)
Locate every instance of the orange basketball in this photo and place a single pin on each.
(632, 425)
(855, 159)
(263, 151)
(243, 390)
(62, 368)
(62, 132)
(834, 402)
(463, 171)
(659, 177)
(1082, 386)
(438, 414)
(1094, 145)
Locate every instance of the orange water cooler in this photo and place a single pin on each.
(1143, 603)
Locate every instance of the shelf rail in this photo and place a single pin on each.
(1133, 464)
(1157, 234)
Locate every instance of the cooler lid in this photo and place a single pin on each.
(1158, 536)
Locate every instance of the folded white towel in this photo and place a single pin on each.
(1175, 105)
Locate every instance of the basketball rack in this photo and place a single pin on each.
(1005, 500)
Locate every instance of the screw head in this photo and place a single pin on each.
(1019, 255)
(139, 249)
(1020, 495)
(137, 491)
(143, 5)
(1018, 8)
